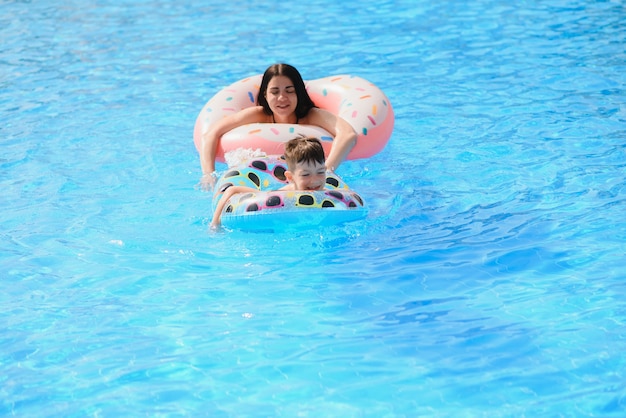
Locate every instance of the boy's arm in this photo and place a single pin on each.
(217, 215)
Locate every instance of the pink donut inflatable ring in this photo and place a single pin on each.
(359, 102)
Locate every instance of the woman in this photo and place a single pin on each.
(282, 99)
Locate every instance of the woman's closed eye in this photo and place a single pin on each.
(288, 90)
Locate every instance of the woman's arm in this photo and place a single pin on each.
(211, 138)
(343, 133)
(217, 215)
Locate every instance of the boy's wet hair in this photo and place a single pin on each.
(303, 149)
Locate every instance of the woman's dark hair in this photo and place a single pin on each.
(304, 101)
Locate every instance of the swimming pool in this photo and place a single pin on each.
(487, 280)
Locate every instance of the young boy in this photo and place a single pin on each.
(306, 170)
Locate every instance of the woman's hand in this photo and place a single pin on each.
(207, 181)
(344, 135)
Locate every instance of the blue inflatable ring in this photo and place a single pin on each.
(270, 209)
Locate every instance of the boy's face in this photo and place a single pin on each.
(308, 175)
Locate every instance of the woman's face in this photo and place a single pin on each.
(282, 99)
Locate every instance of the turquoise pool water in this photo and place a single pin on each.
(488, 279)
